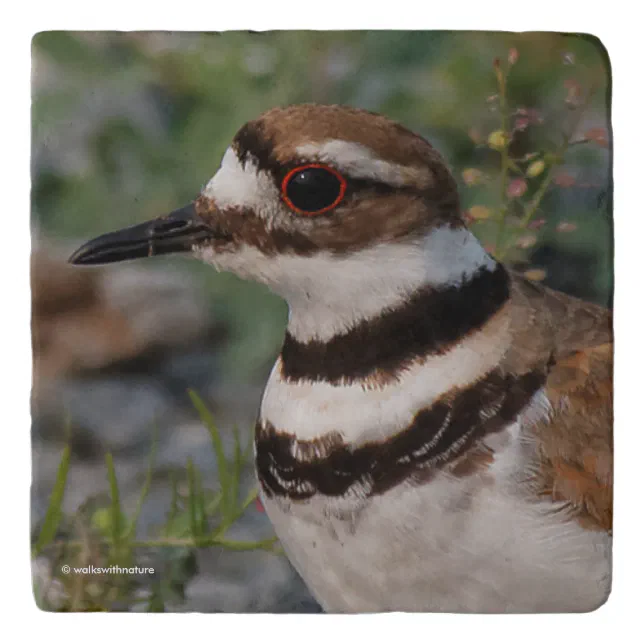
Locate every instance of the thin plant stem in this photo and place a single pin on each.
(265, 544)
(505, 158)
(533, 206)
(558, 157)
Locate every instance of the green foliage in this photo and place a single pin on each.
(526, 174)
(102, 534)
(54, 512)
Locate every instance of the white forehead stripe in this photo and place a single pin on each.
(238, 185)
(360, 162)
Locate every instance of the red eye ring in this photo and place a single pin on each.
(341, 192)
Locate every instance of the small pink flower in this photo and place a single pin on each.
(535, 116)
(513, 55)
(564, 180)
(526, 241)
(566, 227)
(597, 135)
(472, 176)
(574, 91)
(516, 188)
(521, 123)
(535, 224)
(475, 135)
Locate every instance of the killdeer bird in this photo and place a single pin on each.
(436, 432)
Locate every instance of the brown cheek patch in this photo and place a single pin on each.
(381, 218)
(353, 226)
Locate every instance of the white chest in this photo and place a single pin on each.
(449, 545)
(477, 543)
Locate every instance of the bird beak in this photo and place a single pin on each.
(174, 233)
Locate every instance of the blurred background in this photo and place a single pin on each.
(129, 126)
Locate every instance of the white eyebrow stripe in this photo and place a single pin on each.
(240, 185)
(360, 162)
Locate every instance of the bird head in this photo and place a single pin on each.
(327, 205)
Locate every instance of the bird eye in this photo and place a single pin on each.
(313, 189)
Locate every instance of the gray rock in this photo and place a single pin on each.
(49, 593)
(192, 368)
(189, 440)
(246, 582)
(119, 413)
(85, 479)
(163, 308)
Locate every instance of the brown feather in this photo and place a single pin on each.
(574, 451)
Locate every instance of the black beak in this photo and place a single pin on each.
(177, 232)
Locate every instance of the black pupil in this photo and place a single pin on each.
(313, 189)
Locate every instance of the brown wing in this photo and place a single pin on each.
(575, 453)
(574, 459)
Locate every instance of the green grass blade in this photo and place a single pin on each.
(202, 516)
(238, 465)
(248, 450)
(192, 502)
(174, 504)
(250, 497)
(213, 505)
(115, 498)
(54, 509)
(222, 528)
(239, 453)
(222, 463)
(265, 544)
(145, 489)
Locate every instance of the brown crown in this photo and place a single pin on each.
(272, 141)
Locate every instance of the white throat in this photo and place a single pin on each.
(328, 294)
